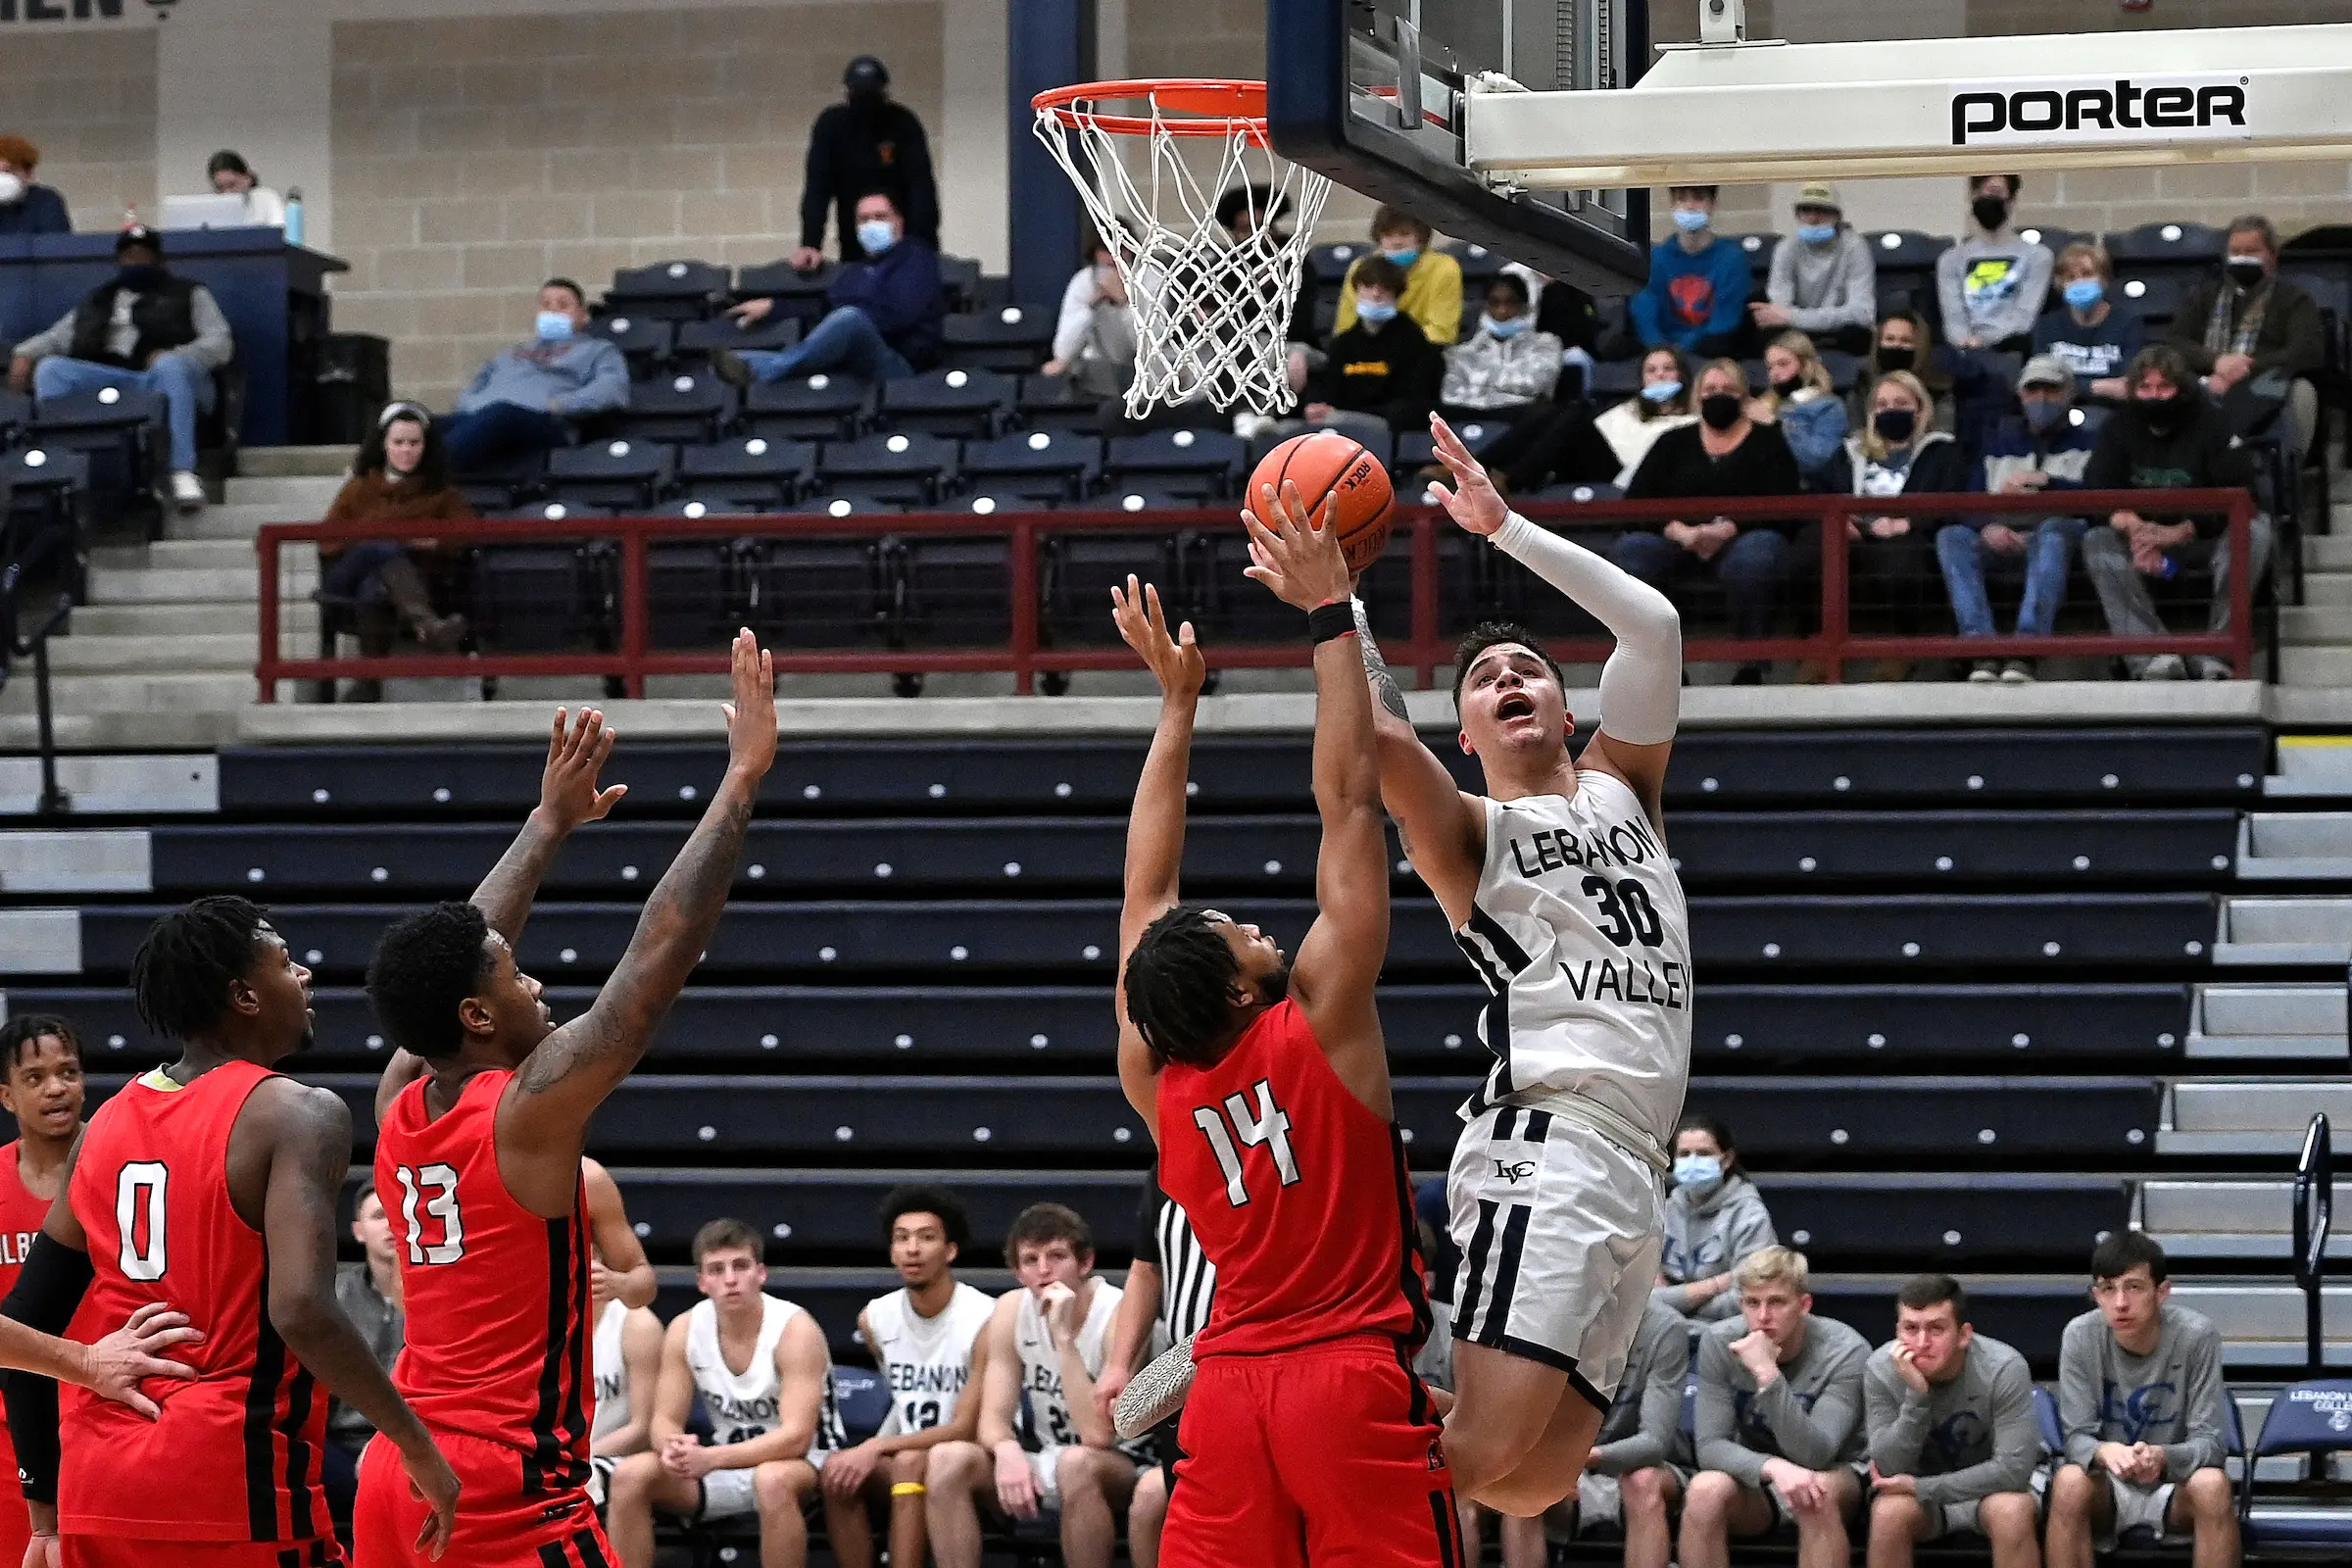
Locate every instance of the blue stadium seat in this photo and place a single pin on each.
(2154, 293)
(696, 507)
(645, 339)
(675, 291)
(41, 489)
(504, 487)
(1416, 450)
(687, 406)
(1758, 249)
(960, 279)
(696, 339)
(1012, 338)
(695, 593)
(119, 429)
(756, 471)
(1480, 265)
(821, 593)
(1052, 403)
(1146, 498)
(1081, 570)
(16, 415)
(1907, 272)
(824, 1214)
(1328, 264)
(2312, 1418)
(540, 598)
(1041, 465)
(619, 473)
(2189, 247)
(816, 408)
(1953, 1223)
(957, 592)
(798, 296)
(848, 505)
(2055, 239)
(554, 511)
(1845, 369)
(1207, 464)
(905, 468)
(963, 403)
(1614, 380)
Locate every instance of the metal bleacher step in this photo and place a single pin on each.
(2311, 929)
(240, 521)
(85, 654)
(189, 554)
(2316, 623)
(213, 694)
(2311, 765)
(2260, 1318)
(99, 785)
(294, 499)
(2331, 552)
(2246, 1117)
(2268, 1022)
(2242, 1218)
(180, 585)
(2326, 589)
(2308, 665)
(2294, 846)
(297, 617)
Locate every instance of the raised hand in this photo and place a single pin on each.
(1300, 561)
(1473, 502)
(752, 716)
(568, 790)
(1175, 662)
(118, 1363)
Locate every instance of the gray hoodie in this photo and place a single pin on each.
(1811, 1416)
(2171, 1396)
(1993, 286)
(1825, 287)
(1645, 1423)
(1707, 1235)
(1965, 1438)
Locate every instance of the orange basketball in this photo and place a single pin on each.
(1325, 462)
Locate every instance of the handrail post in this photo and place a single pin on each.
(2314, 1210)
(634, 586)
(1425, 598)
(264, 670)
(1835, 625)
(1024, 606)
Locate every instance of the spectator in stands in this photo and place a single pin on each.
(401, 476)
(1778, 1424)
(764, 1418)
(885, 316)
(527, 399)
(1696, 297)
(2141, 1401)
(1715, 1220)
(1905, 342)
(142, 327)
(1724, 455)
(1170, 1288)
(1900, 451)
(1992, 283)
(26, 208)
(2167, 437)
(1094, 341)
(368, 1292)
(1378, 375)
(1430, 293)
(2253, 337)
(1954, 1443)
(227, 173)
(867, 144)
(1801, 398)
(1640, 1461)
(2094, 334)
(2043, 450)
(1507, 368)
(1566, 444)
(1824, 280)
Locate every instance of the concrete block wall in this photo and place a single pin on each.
(87, 100)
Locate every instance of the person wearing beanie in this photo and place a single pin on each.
(868, 143)
(1824, 280)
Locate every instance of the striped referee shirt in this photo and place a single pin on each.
(1188, 1280)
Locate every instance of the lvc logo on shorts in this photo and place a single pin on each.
(1514, 1172)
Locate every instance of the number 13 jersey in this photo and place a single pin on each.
(1582, 939)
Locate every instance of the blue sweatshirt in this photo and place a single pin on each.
(900, 295)
(577, 376)
(1691, 297)
(39, 211)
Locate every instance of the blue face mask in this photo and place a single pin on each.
(2085, 292)
(1510, 328)
(2041, 415)
(1817, 234)
(875, 236)
(1376, 311)
(1690, 219)
(1404, 259)
(1699, 1172)
(1662, 391)
(554, 326)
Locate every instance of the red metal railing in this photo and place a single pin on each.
(1424, 650)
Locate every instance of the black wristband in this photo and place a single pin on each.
(1326, 621)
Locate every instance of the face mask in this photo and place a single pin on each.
(875, 236)
(1789, 388)
(1897, 358)
(1510, 328)
(1817, 234)
(2041, 415)
(1405, 258)
(1662, 391)
(2246, 272)
(1690, 220)
(554, 326)
(1699, 1172)
(2085, 292)
(139, 280)
(11, 189)
(1991, 212)
(1720, 411)
(1894, 424)
(2162, 414)
(1376, 312)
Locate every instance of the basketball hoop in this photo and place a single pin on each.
(1210, 312)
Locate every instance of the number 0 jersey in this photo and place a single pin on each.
(1582, 936)
(1297, 1192)
(235, 1455)
(497, 1298)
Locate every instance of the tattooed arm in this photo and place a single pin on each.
(542, 1117)
(568, 798)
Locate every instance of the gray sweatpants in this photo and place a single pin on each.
(2124, 592)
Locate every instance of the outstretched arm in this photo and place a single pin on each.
(567, 797)
(1642, 684)
(1444, 830)
(543, 1119)
(1155, 823)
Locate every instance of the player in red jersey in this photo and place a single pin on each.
(479, 1157)
(212, 1184)
(41, 1057)
(1307, 1437)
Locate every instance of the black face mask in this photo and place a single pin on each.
(140, 278)
(1720, 409)
(1992, 212)
(2161, 414)
(1894, 426)
(1897, 358)
(1790, 387)
(2246, 272)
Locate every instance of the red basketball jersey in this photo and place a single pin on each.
(496, 1297)
(1297, 1192)
(21, 1215)
(235, 1455)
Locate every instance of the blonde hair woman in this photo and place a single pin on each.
(1797, 397)
(1890, 563)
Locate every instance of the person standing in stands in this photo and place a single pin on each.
(1696, 297)
(144, 328)
(1430, 291)
(26, 208)
(867, 144)
(1992, 283)
(1824, 280)
(524, 400)
(885, 316)
(1715, 1220)
(43, 1091)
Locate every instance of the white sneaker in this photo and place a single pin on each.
(187, 491)
(2164, 667)
(2208, 667)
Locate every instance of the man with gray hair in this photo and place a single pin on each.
(2254, 329)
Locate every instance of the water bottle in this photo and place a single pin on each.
(294, 215)
(2169, 570)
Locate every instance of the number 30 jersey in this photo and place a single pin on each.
(235, 1455)
(497, 1298)
(1296, 1191)
(1582, 939)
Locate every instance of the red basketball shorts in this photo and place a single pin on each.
(1327, 1454)
(127, 1551)
(499, 1524)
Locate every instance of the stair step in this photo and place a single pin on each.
(2328, 588)
(297, 618)
(87, 655)
(210, 692)
(180, 585)
(293, 462)
(2330, 551)
(240, 519)
(2321, 624)
(112, 731)
(2315, 667)
(189, 553)
(296, 500)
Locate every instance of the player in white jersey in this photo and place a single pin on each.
(1558, 887)
(625, 1358)
(1044, 1443)
(766, 1378)
(923, 1337)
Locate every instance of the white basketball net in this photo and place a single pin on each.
(1210, 313)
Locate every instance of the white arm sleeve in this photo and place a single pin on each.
(1642, 684)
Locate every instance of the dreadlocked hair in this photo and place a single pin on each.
(20, 1034)
(181, 974)
(1178, 980)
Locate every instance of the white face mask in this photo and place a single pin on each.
(11, 188)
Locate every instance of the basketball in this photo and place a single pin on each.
(1325, 462)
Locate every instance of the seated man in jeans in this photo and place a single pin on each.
(144, 328)
(526, 398)
(885, 316)
(2042, 452)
